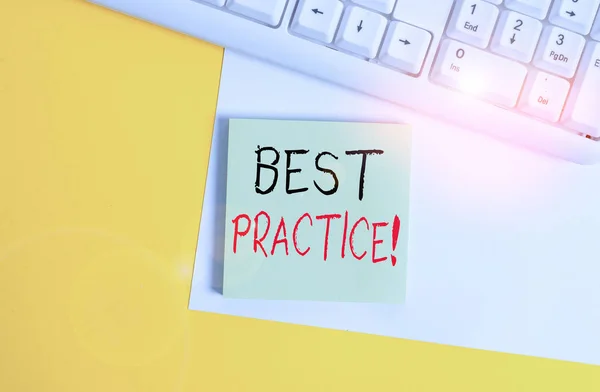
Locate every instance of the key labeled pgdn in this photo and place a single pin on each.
(559, 51)
(559, 57)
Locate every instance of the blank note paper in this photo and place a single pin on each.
(317, 211)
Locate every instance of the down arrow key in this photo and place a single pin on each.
(361, 31)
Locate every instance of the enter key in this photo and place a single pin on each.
(582, 112)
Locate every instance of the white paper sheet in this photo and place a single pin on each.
(504, 243)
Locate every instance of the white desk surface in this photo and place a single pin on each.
(505, 244)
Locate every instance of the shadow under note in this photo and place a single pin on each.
(220, 146)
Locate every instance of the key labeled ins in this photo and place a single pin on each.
(477, 72)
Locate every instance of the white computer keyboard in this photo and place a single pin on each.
(527, 71)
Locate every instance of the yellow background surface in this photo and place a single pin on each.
(105, 126)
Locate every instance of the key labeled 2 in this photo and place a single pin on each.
(516, 36)
(559, 51)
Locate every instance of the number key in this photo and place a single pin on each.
(473, 22)
(559, 51)
(516, 36)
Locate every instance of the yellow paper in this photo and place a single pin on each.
(105, 124)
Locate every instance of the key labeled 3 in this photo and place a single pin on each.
(559, 51)
(405, 47)
(516, 36)
(473, 22)
(361, 31)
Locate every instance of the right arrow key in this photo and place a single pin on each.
(576, 16)
(405, 47)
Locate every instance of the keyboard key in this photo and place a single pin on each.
(535, 8)
(431, 15)
(384, 6)
(361, 31)
(472, 22)
(266, 11)
(544, 95)
(479, 73)
(317, 19)
(574, 15)
(582, 113)
(559, 51)
(596, 29)
(516, 36)
(219, 3)
(405, 47)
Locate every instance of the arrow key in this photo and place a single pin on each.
(317, 19)
(405, 47)
(576, 16)
(361, 31)
(516, 36)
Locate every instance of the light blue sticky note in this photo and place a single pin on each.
(317, 211)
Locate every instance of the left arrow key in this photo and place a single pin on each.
(317, 19)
